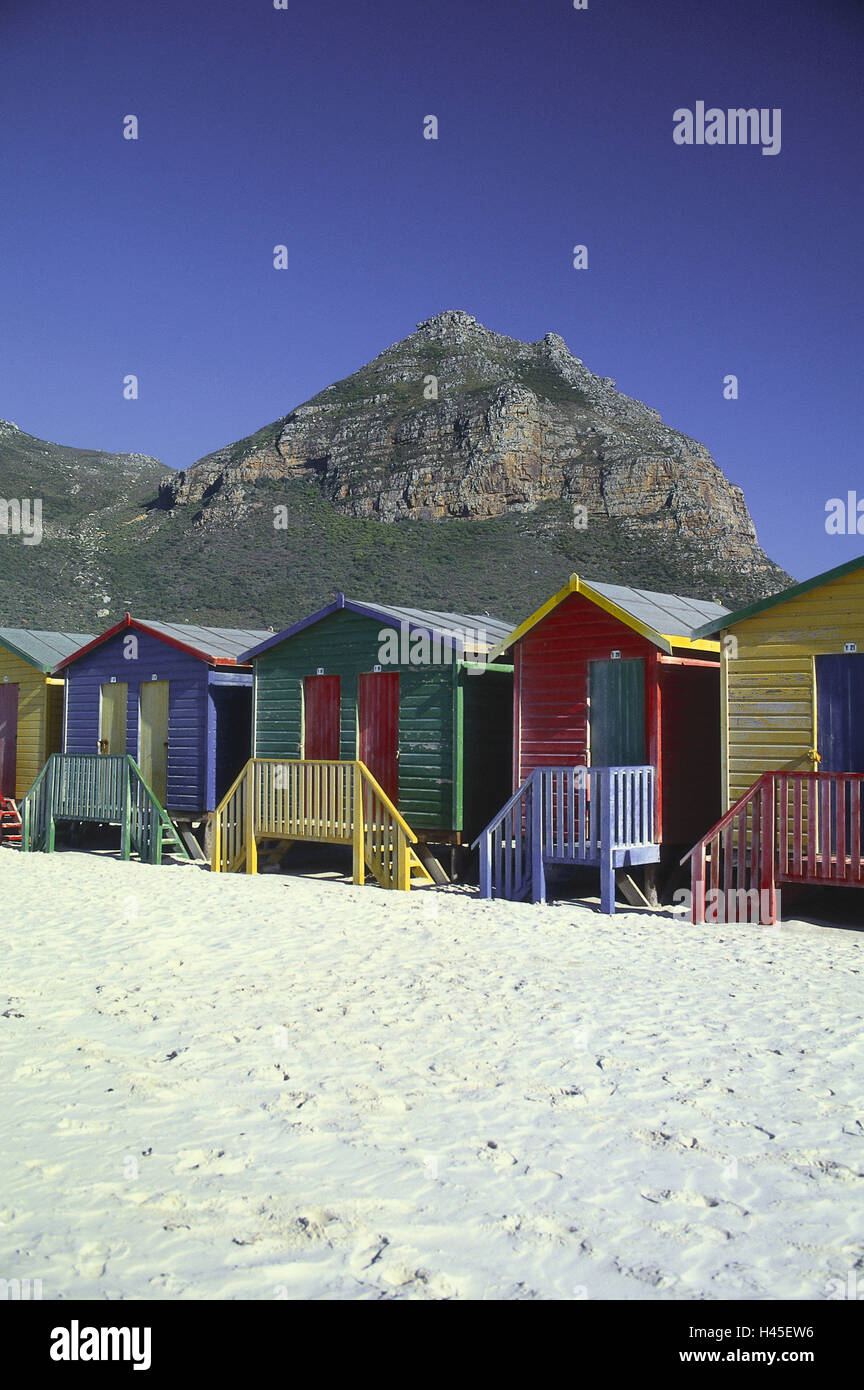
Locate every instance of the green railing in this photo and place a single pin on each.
(101, 788)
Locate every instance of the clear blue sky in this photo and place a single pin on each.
(261, 126)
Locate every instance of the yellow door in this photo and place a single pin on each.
(112, 718)
(153, 741)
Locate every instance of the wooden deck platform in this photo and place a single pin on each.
(789, 827)
(324, 801)
(598, 817)
(103, 789)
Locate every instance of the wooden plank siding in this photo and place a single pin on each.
(551, 726)
(190, 778)
(39, 706)
(347, 644)
(552, 681)
(769, 706)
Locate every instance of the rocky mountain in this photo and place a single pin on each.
(460, 469)
(456, 421)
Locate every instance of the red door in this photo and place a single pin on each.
(321, 717)
(8, 737)
(378, 723)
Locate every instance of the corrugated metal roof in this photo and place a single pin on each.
(473, 634)
(220, 643)
(670, 614)
(43, 649)
(479, 631)
(666, 619)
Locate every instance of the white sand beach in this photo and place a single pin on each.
(222, 1087)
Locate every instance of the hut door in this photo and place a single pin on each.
(840, 712)
(378, 728)
(321, 696)
(112, 718)
(232, 714)
(8, 737)
(616, 714)
(153, 737)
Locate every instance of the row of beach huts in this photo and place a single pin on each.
(656, 739)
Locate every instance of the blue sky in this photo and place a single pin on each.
(304, 127)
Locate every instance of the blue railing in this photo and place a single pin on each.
(600, 817)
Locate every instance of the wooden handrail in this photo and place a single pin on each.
(757, 852)
(236, 783)
(336, 800)
(92, 786)
(384, 798)
(729, 816)
(567, 814)
(499, 819)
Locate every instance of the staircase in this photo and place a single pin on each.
(99, 788)
(10, 822)
(600, 817)
(328, 802)
(789, 827)
(152, 833)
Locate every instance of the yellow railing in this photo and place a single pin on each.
(337, 803)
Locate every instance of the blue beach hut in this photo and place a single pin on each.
(171, 695)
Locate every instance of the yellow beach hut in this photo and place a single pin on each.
(31, 702)
(792, 680)
(792, 739)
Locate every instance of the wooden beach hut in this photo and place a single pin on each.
(792, 742)
(174, 697)
(616, 678)
(31, 702)
(408, 696)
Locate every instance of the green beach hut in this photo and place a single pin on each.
(408, 692)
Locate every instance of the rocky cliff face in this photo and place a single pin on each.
(458, 422)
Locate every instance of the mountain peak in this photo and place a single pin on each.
(456, 421)
(449, 323)
(460, 469)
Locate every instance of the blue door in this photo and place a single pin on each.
(840, 712)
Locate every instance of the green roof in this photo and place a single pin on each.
(42, 649)
(783, 597)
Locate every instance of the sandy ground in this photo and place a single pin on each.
(230, 1087)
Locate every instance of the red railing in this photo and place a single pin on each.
(790, 827)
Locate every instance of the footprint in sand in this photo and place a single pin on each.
(91, 1260)
(500, 1159)
(651, 1275)
(49, 1171)
(208, 1160)
(690, 1199)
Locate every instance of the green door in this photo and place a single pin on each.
(616, 713)
(153, 737)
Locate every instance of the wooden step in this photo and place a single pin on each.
(433, 867)
(172, 841)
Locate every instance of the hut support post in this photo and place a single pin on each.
(607, 870)
(357, 825)
(534, 819)
(50, 828)
(767, 883)
(486, 864)
(251, 843)
(697, 886)
(126, 823)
